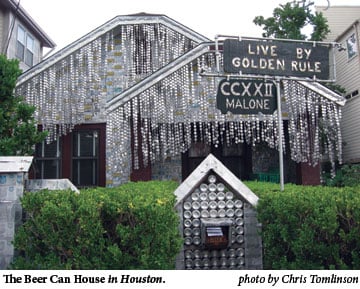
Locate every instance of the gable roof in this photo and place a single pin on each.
(141, 18)
(212, 164)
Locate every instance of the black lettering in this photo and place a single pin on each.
(59, 279)
(86, 279)
(30, 279)
(141, 279)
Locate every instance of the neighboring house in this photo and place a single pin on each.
(345, 29)
(20, 36)
(128, 101)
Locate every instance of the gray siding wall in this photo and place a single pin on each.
(351, 131)
(4, 27)
(5, 23)
(348, 76)
(339, 18)
(12, 46)
(343, 22)
(348, 69)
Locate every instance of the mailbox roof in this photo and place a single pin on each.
(208, 165)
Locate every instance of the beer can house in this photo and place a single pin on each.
(129, 101)
(218, 220)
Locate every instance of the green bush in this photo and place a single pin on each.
(307, 227)
(133, 226)
(346, 176)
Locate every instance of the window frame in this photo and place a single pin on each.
(354, 51)
(27, 53)
(65, 142)
(40, 160)
(76, 156)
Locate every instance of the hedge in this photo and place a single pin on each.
(133, 226)
(307, 227)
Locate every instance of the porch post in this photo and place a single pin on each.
(281, 156)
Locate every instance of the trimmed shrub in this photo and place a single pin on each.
(346, 176)
(133, 226)
(307, 227)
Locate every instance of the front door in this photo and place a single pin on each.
(236, 157)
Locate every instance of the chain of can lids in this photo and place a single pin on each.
(74, 91)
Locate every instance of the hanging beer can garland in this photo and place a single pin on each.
(180, 108)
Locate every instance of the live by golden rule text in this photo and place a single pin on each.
(180, 278)
(277, 58)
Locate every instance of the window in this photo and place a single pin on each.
(25, 47)
(29, 54)
(352, 94)
(48, 160)
(78, 156)
(351, 46)
(85, 158)
(20, 45)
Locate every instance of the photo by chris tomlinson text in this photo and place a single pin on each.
(297, 279)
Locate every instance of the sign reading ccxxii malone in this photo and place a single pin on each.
(277, 58)
(246, 96)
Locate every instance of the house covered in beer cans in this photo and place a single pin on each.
(136, 99)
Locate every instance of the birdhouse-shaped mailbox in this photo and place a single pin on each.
(218, 220)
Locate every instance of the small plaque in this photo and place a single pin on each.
(216, 232)
(216, 237)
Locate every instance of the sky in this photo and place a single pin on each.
(65, 21)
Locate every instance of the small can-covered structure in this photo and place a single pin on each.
(218, 220)
(13, 173)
